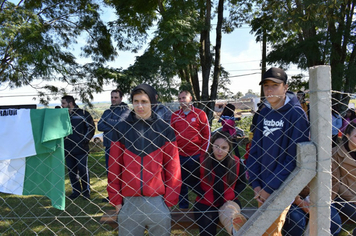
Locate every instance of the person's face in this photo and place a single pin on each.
(300, 97)
(352, 140)
(115, 99)
(275, 93)
(184, 99)
(220, 149)
(142, 106)
(64, 103)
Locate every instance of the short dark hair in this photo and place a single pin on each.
(118, 91)
(69, 99)
(349, 128)
(186, 91)
(301, 92)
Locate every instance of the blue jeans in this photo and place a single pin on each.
(190, 177)
(347, 209)
(297, 219)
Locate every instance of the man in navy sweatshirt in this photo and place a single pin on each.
(280, 126)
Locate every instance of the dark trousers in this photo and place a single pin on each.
(107, 153)
(236, 147)
(346, 208)
(190, 177)
(297, 220)
(78, 165)
(207, 218)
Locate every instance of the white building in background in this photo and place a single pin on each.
(247, 102)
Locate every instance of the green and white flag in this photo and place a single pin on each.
(32, 152)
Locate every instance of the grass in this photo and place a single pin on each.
(33, 215)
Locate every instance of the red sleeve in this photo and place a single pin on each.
(173, 124)
(204, 130)
(114, 173)
(172, 173)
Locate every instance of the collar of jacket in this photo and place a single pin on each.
(181, 112)
(122, 105)
(133, 119)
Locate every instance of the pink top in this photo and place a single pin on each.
(228, 125)
(345, 122)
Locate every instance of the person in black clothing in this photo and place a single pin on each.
(260, 106)
(76, 148)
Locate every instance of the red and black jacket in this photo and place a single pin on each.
(144, 161)
(205, 191)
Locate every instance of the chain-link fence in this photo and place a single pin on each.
(145, 162)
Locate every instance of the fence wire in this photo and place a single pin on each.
(90, 213)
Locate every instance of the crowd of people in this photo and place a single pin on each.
(154, 157)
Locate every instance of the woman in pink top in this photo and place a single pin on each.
(227, 119)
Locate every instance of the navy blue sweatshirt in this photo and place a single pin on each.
(83, 130)
(273, 150)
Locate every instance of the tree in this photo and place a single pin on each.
(181, 45)
(297, 83)
(310, 33)
(251, 92)
(238, 95)
(36, 40)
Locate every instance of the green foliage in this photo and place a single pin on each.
(310, 33)
(180, 44)
(245, 124)
(37, 40)
(238, 95)
(296, 83)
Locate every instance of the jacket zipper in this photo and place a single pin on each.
(142, 147)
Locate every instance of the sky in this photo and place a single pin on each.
(240, 56)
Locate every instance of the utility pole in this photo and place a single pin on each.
(264, 55)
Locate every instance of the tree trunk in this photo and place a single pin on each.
(205, 54)
(217, 66)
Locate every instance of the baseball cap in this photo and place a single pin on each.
(276, 75)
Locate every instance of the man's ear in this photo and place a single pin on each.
(286, 87)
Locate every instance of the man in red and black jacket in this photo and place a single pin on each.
(192, 130)
(144, 177)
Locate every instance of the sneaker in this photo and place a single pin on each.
(73, 196)
(238, 221)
